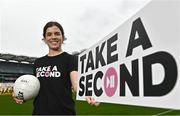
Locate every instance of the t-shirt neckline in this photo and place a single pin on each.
(55, 55)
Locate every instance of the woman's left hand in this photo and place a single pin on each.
(92, 101)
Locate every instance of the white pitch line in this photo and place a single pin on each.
(163, 113)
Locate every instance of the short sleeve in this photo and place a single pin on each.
(73, 63)
(34, 68)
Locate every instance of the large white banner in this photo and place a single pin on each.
(138, 63)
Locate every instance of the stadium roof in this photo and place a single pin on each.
(20, 58)
(24, 59)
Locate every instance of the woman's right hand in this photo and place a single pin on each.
(16, 99)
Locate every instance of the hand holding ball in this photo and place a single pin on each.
(26, 87)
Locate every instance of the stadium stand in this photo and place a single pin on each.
(11, 67)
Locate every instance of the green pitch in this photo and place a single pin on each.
(9, 107)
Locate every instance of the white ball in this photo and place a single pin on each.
(26, 87)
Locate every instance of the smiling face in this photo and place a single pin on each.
(54, 38)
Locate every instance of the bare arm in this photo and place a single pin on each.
(74, 77)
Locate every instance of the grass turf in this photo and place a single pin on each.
(9, 107)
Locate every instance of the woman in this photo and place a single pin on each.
(57, 73)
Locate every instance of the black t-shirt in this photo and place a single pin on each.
(55, 95)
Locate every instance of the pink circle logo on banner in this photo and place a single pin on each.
(110, 81)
